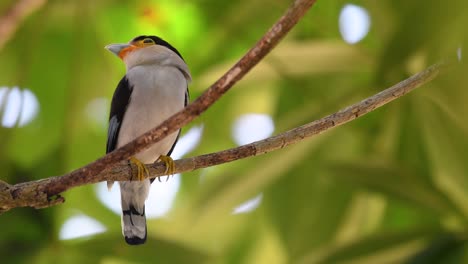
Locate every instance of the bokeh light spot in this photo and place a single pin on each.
(354, 23)
(96, 111)
(249, 205)
(80, 226)
(17, 107)
(252, 127)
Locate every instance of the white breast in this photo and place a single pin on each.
(158, 93)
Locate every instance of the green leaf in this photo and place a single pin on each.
(446, 248)
(110, 246)
(379, 248)
(394, 181)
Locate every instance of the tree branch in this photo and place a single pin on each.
(13, 17)
(46, 192)
(29, 196)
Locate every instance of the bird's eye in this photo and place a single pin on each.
(148, 41)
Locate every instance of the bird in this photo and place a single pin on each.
(154, 88)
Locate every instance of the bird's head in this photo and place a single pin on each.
(145, 49)
(140, 42)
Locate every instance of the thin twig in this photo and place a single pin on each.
(11, 20)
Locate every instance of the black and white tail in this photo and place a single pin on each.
(133, 196)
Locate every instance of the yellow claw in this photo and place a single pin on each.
(141, 169)
(170, 166)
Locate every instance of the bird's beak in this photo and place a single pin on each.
(118, 49)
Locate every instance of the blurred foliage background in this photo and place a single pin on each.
(391, 187)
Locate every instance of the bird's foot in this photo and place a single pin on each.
(142, 171)
(170, 166)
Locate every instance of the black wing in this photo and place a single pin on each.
(119, 105)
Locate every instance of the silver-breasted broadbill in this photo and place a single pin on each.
(154, 88)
